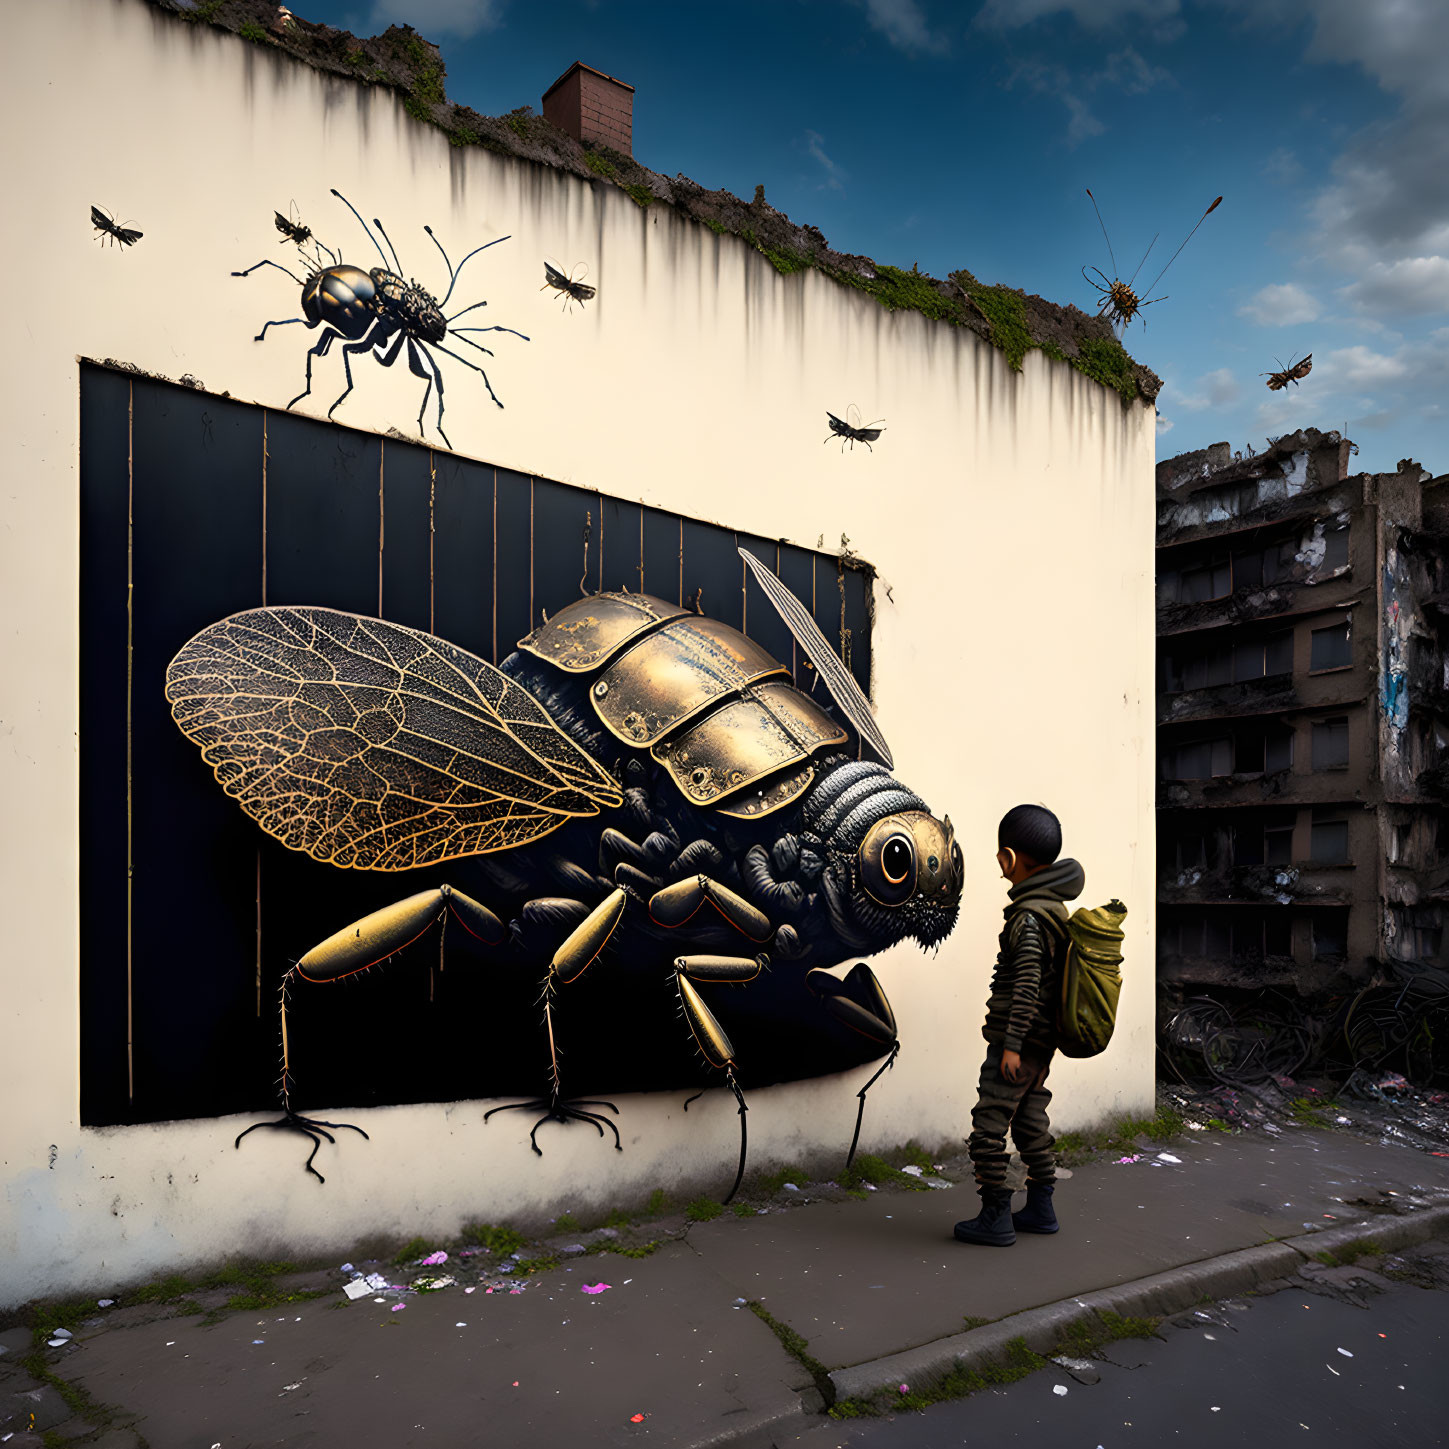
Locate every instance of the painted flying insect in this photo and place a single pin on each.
(1292, 373)
(379, 312)
(111, 231)
(1120, 304)
(850, 431)
(639, 793)
(292, 227)
(570, 285)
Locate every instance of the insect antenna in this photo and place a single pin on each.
(267, 262)
(463, 313)
(361, 223)
(1103, 225)
(1145, 255)
(456, 274)
(397, 264)
(1185, 241)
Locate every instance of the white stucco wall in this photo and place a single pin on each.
(1010, 516)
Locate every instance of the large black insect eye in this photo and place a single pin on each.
(888, 863)
(897, 859)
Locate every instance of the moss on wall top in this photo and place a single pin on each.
(401, 60)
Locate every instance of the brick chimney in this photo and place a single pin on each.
(592, 106)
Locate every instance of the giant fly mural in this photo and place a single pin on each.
(639, 795)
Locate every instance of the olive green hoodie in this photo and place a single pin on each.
(1021, 1010)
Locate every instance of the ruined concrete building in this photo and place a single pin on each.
(1303, 718)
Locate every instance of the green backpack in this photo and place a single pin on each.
(1091, 980)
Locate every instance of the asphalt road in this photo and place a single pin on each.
(1332, 1365)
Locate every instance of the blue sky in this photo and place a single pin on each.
(951, 135)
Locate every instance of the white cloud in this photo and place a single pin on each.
(1056, 81)
(1282, 166)
(1164, 425)
(1283, 304)
(835, 175)
(1216, 389)
(903, 24)
(1128, 71)
(460, 18)
(1412, 285)
(1092, 14)
(1361, 368)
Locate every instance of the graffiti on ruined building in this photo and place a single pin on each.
(1292, 373)
(380, 313)
(849, 429)
(570, 285)
(111, 232)
(1120, 304)
(632, 764)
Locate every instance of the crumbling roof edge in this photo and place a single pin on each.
(1013, 321)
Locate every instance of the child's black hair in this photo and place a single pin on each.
(1032, 831)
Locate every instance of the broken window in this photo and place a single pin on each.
(1197, 759)
(1192, 851)
(1427, 942)
(1278, 750)
(1331, 648)
(1278, 845)
(1210, 580)
(1248, 569)
(1336, 552)
(1328, 839)
(1330, 936)
(1277, 934)
(1248, 752)
(1278, 653)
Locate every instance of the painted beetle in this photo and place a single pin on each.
(734, 841)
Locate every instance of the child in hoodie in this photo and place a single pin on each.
(1020, 1030)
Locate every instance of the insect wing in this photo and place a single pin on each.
(838, 679)
(1303, 368)
(100, 220)
(283, 225)
(552, 277)
(372, 746)
(840, 429)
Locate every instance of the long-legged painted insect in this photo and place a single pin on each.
(379, 312)
(569, 284)
(850, 430)
(1120, 304)
(292, 227)
(710, 842)
(112, 231)
(1292, 373)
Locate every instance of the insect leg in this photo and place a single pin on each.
(319, 349)
(473, 365)
(285, 322)
(354, 949)
(570, 961)
(415, 366)
(860, 1002)
(709, 1035)
(267, 262)
(676, 903)
(365, 344)
(437, 376)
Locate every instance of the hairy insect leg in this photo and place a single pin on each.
(354, 949)
(860, 1002)
(570, 961)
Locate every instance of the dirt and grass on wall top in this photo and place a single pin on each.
(401, 60)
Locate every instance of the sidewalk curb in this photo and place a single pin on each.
(1159, 1295)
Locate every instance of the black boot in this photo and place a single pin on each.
(1038, 1216)
(993, 1223)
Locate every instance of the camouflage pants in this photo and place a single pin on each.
(1018, 1107)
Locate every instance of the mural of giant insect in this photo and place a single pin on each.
(110, 231)
(1292, 373)
(381, 313)
(293, 228)
(1120, 304)
(638, 793)
(849, 429)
